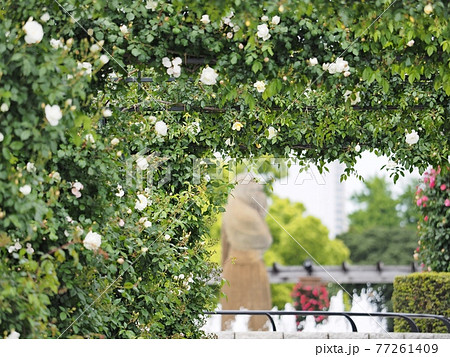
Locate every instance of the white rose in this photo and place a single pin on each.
(237, 126)
(151, 5)
(53, 114)
(161, 128)
(106, 112)
(264, 18)
(55, 43)
(166, 62)
(176, 71)
(87, 66)
(92, 241)
(120, 192)
(94, 48)
(56, 176)
(142, 163)
(2, 137)
(229, 142)
(177, 61)
(29, 249)
(26, 190)
(104, 59)
(31, 167)
(276, 20)
(124, 29)
(13, 335)
(428, 9)
(45, 17)
(272, 132)
(89, 138)
(230, 35)
(412, 137)
(346, 73)
(357, 148)
(4, 107)
(325, 66)
(341, 65)
(115, 141)
(205, 19)
(141, 202)
(195, 128)
(348, 95)
(260, 86)
(391, 165)
(241, 46)
(313, 61)
(167, 237)
(208, 76)
(410, 43)
(120, 261)
(34, 32)
(263, 32)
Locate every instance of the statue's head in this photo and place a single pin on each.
(251, 192)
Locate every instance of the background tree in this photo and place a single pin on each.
(383, 230)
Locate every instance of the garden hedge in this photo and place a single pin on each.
(422, 293)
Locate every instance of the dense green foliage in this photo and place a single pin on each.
(297, 237)
(392, 246)
(77, 256)
(433, 200)
(422, 293)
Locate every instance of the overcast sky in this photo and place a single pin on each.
(320, 193)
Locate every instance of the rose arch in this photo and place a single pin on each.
(106, 106)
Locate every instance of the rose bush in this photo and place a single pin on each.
(433, 201)
(75, 103)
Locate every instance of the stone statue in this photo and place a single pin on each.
(245, 237)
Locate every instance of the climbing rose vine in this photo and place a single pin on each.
(433, 201)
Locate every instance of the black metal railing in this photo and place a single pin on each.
(348, 315)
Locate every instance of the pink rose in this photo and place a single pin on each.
(447, 203)
(443, 187)
(426, 220)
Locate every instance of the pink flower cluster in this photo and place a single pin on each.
(307, 298)
(422, 200)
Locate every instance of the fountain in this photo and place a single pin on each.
(287, 323)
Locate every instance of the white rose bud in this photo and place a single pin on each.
(115, 141)
(428, 9)
(2, 137)
(104, 59)
(94, 48)
(410, 43)
(4, 107)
